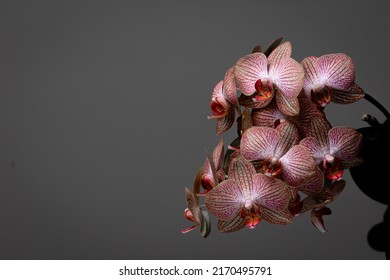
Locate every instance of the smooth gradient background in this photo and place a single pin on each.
(103, 109)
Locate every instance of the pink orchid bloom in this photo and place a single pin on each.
(330, 78)
(192, 212)
(223, 102)
(258, 76)
(212, 175)
(278, 153)
(318, 202)
(336, 148)
(196, 214)
(247, 198)
(271, 116)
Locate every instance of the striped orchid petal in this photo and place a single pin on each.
(218, 155)
(289, 107)
(242, 172)
(192, 205)
(259, 143)
(229, 87)
(247, 101)
(297, 166)
(288, 137)
(270, 192)
(225, 200)
(355, 93)
(312, 76)
(219, 105)
(287, 75)
(336, 71)
(280, 52)
(318, 128)
(313, 146)
(248, 70)
(232, 225)
(223, 124)
(314, 184)
(268, 116)
(283, 217)
(308, 111)
(345, 143)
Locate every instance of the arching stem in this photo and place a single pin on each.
(374, 102)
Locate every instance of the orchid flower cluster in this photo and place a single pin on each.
(287, 159)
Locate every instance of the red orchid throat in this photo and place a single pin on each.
(218, 108)
(321, 96)
(264, 90)
(251, 216)
(271, 167)
(333, 168)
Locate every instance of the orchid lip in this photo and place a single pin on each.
(264, 90)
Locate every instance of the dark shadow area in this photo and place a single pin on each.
(371, 176)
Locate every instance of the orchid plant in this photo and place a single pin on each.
(287, 158)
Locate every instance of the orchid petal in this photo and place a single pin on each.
(289, 107)
(193, 206)
(314, 184)
(318, 128)
(283, 217)
(308, 111)
(349, 96)
(317, 220)
(312, 76)
(245, 121)
(313, 146)
(247, 101)
(267, 116)
(225, 200)
(345, 143)
(223, 124)
(297, 165)
(186, 230)
(270, 192)
(234, 224)
(229, 87)
(197, 184)
(218, 154)
(248, 70)
(208, 179)
(287, 75)
(259, 143)
(242, 172)
(280, 52)
(336, 70)
(288, 137)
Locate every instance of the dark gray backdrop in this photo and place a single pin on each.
(103, 123)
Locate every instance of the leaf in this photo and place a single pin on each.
(205, 223)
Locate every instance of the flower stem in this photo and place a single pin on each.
(374, 102)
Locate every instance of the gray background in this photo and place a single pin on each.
(103, 123)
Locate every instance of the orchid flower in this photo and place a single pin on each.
(311, 186)
(223, 102)
(258, 77)
(331, 78)
(317, 203)
(271, 116)
(336, 148)
(247, 197)
(213, 173)
(196, 214)
(278, 152)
